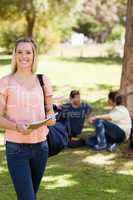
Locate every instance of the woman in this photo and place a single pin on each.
(111, 128)
(21, 102)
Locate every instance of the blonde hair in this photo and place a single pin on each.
(34, 49)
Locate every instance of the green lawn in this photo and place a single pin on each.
(79, 174)
(92, 76)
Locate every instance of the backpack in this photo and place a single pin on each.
(58, 136)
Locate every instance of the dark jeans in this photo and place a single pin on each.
(26, 164)
(107, 132)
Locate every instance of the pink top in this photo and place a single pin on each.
(25, 105)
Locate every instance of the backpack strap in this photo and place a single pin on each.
(40, 78)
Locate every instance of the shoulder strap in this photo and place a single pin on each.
(40, 78)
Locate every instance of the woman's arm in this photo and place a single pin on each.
(103, 116)
(8, 124)
(5, 123)
(49, 109)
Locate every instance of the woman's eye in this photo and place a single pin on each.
(28, 52)
(19, 52)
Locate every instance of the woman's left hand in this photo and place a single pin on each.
(50, 122)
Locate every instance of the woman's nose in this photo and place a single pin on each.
(24, 55)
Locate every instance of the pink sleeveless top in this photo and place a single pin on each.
(25, 105)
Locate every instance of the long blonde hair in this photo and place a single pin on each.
(34, 49)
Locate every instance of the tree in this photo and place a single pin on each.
(34, 18)
(127, 69)
(98, 18)
(32, 10)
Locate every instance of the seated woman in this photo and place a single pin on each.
(111, 128)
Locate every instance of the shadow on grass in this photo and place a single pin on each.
(72, 175)
(4, 61)
(95, 60)
(78, 174)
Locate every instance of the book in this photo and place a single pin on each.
(37, 124)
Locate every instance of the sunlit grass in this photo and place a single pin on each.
(53, 182)
(100, 159)
(92, 78)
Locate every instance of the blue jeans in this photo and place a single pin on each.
(107, 132)
(26, 164)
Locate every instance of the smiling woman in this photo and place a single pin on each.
(25, 55)
(21, 103)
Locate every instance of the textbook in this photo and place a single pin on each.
(37, 124)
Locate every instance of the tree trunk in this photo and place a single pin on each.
(29, 10)
(30, 18)
(127, 69)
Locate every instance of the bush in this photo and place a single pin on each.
(46, 38)
(112, 51)
(117, 33)
(9, 33)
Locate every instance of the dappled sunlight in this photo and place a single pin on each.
(3, 169)
(60, 181)
(52, 166)
(2, 148)
(79, 152)
(113, 191)
(126, 168)
(100, 159)
(87, 130)
(1, 138)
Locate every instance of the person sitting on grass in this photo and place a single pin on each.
(111, 128)
(75, 112)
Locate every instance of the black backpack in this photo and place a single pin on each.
(58, 135)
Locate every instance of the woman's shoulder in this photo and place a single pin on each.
(46, 81)
(122, 108)
(45, 78)
(5, 79)
(4, 85)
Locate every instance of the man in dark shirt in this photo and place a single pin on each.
(75, 112)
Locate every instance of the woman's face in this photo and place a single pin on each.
(24, 55)
(111, 103)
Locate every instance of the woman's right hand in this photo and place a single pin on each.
(92, 119)
(23, 128)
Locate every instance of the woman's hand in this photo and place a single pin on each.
(52, 120)
(92, 119)
(23, 128)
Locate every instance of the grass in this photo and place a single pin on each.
(79, 174)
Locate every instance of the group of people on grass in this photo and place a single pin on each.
(110, 129)
(22, 102)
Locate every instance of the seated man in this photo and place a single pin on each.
(111, 128)
(75, 112)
